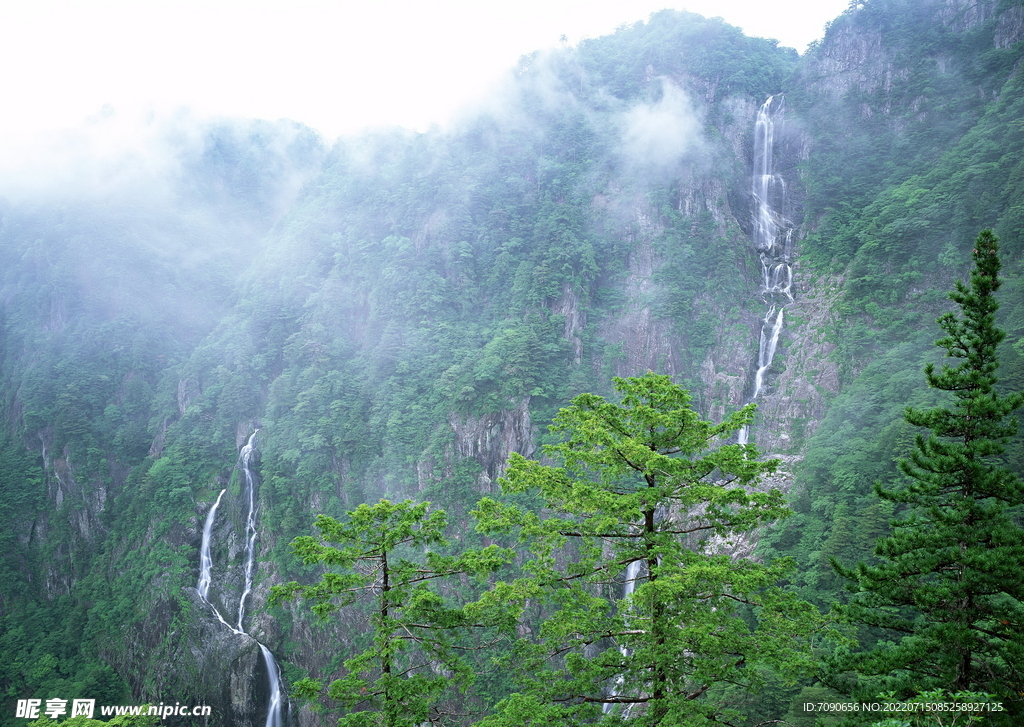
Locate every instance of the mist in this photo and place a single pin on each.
(657, 138)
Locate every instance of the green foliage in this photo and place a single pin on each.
(941, 708)
(679, 44)
(903, 174)
(859, 441)
(647, 487)
(124, 720)
(948, 583)
(873, 136)
(402, 679)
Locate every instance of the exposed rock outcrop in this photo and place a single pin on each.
(490, 438)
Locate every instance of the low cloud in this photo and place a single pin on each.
(659, 138)
(110, 154)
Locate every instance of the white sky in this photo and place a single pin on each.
(335, 65)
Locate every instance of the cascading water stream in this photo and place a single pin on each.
(275, 717)
(205, 561)
(245, 457)
(766, 350)
(773, 240)
(632, 573)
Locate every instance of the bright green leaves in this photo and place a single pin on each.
(627, 602)
(641, 609)
(653, 433)
(382, 562)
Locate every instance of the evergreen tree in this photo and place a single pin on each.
(384, 559)
(641, 613)
(949, 583)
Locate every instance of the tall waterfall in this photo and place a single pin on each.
(245, 457)
(632, 575)
(205, 561)
(773, 240)
(275, 715)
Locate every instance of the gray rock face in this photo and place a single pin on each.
(183, 653)
(491, 438)
(805, 373)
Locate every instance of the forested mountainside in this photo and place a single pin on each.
(397, 314)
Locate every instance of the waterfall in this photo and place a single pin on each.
(275, 717)
(245, 457)
(766, 351)
(773, 240)
(769, 188)
(205, 561)
(632, 574)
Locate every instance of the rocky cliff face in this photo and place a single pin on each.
(185, 650)
(488, 440)
(645, 339)
(806, 374)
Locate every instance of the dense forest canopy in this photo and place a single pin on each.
(398, 313)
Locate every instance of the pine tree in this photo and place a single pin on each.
(628, 605)
(384, 559)
(950, 584)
